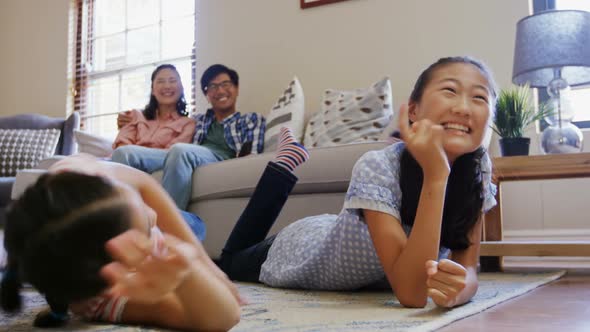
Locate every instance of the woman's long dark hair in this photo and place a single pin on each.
(151, 109)
(55, 238)
(464, 192)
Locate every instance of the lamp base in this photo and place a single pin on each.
(565, 139)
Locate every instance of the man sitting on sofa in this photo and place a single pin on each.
(221, 133)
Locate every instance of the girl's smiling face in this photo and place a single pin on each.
(458, 97)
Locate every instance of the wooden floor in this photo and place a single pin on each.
(563, 305)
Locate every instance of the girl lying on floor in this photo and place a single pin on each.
(87, 236)
(412, 213)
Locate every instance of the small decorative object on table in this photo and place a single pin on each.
(552, 50)
(514, 113)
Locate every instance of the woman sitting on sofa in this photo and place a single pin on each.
(164, 121)
(412, 213)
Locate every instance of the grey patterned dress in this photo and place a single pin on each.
(335, 252)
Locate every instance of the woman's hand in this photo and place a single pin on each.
(424, 139)
(143, 275)
(445, 281)
(124, 118)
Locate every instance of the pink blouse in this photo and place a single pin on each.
(160, 133)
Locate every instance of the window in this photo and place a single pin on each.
(119, 43)
(579, 96)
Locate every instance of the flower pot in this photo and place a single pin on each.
(515, 146)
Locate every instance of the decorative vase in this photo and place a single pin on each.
(514, 146)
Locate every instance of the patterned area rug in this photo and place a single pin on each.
(292, 310)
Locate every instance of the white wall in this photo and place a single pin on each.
(33, 56)
(348, 44)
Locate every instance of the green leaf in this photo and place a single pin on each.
(515, 112)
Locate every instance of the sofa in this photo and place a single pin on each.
(221, 190)
(65, 146)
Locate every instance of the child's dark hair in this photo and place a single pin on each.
(55, 237)
(213, 71)
(463, 199)
(464, 192)
(151, 109)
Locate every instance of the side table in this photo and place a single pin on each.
(519, 168)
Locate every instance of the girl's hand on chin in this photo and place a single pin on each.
(424, 140)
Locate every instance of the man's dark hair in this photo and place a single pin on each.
(55, 237)
(213, 71)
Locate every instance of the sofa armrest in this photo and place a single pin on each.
(24, 179)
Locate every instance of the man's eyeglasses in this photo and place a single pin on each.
(215, 86)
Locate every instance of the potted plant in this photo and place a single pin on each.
(514, 113)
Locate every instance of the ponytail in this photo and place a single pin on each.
(10, 286)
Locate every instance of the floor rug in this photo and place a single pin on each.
(294, 310)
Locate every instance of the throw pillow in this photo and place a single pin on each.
(92, 144)
(288, 111)
(351, 116)
(25, 148)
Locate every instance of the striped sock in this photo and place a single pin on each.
(290, 154)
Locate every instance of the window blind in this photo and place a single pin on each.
(118, 44)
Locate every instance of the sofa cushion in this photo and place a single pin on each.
(351, 116)
(25, 148)
(93, 144)
(287, 112)
(327, 170)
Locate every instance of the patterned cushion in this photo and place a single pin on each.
(25, 148)
(351, 116)
(287, 112)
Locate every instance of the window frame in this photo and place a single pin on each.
(82, 43)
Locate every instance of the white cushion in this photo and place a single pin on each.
(288, 111)
(92, 144)
(25, 148)
(351, 116)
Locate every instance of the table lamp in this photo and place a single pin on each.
(552, 50)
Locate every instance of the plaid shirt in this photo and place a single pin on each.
(238, 129)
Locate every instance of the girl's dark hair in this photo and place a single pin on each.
(151, 109)
(213, 71)
(464, 192)
(55, 237)
(463, 199)
(426, 76)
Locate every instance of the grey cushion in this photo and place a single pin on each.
(65, 146)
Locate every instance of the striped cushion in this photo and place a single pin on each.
(288, 111)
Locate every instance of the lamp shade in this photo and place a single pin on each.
(555, 39)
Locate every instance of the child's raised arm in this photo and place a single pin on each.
(403, 258)
(170, 220)
(170, 287)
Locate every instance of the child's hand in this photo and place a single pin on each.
(424, 139)
(445, 280)
(139, 274)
